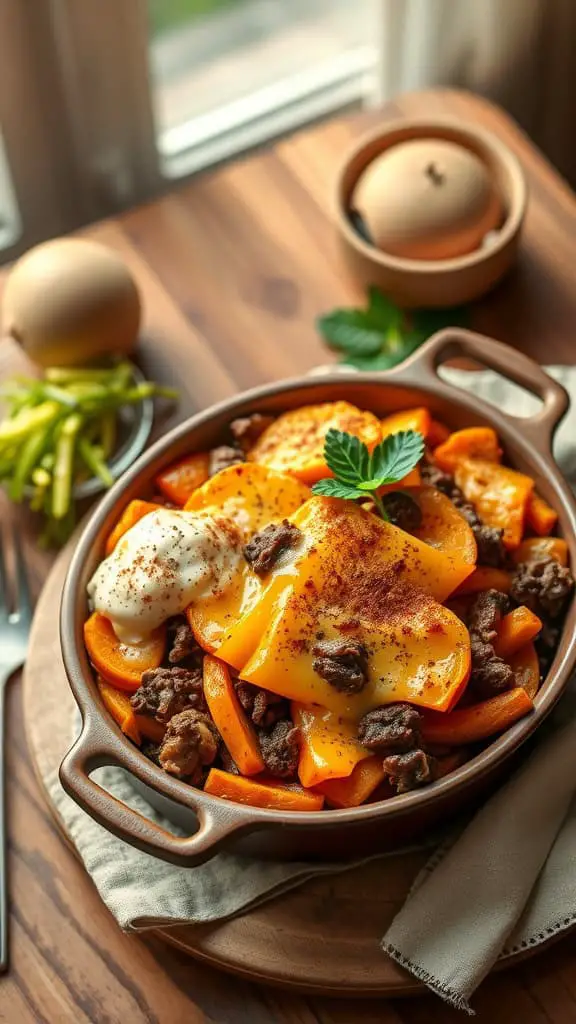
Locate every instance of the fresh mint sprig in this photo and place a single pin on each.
(382, 334)
(359, 473)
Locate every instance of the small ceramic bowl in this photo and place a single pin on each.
(433, 283)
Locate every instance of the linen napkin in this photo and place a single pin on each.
(504, 882)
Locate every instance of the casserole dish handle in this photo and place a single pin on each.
(217, 819)
(512, 364)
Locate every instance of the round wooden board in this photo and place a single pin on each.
(322, 938)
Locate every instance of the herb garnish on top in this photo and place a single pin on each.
(359, 473)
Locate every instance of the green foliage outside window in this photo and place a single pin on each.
(166, 14)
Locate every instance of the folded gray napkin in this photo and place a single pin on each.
(504, 882)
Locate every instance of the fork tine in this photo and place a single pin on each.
(23, 606)
(3, 579)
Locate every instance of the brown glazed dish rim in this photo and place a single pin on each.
(472, 137)
(101, 741)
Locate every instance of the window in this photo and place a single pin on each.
(10, 225)
(230, 73)
(102, 102)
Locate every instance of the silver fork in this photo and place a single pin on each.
(15, 620)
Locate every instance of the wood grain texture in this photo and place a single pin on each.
(233, 268)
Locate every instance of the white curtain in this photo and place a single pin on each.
(520, 53)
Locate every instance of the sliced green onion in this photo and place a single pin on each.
(41, 480)
(27, 421)
(65, 375)
(148, 390)
(30, 452)
(108, 434)
(63, 465)
(92, 456)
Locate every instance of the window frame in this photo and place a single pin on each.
(88, 146)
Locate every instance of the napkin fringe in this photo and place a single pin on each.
(553, 931)
(450, 995)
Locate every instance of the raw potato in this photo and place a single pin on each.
(70, 301)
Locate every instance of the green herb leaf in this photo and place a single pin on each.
(347, 456)
(358, 474)
(426, 322)
(395, 456)
(336, 489)
(350, 331)
(382, 311)
(382, 335)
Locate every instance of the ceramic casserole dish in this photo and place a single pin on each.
(212, 823)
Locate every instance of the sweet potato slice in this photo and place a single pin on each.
(354, 790)
(516, 629)
(119, 706)
(540, 516)
(534, 548)
(436, 572)
(478, 721)
(409, 419)
(526, 668)
(470, 443)
(499, 494)
(438, 433)
(483, 578)
(251, 495)
(412, 479)
(329, 747)
(442, 525)
(182, 478)
(213, 618)
(132, 514)
(364, 579)
(229, 718)
(261, 794)
(294, 443)
(118, 663)
(150, 728)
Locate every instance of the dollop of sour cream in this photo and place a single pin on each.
(167, 560)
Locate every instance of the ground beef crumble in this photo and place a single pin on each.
(433, 476)
(183, 645)
(228, 763)
(402, 510)
(342, 663)
(223, 457)
(409, 771)
(190, 743)
(390, 729)
(543, 586)
(491, 550)
(490, 675)
(547, 644)
(247, 429)
(280, 749)
(262, 706)
(151, 750)
(265, 548)
(164, 692)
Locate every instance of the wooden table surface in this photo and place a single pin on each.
(234, 268)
